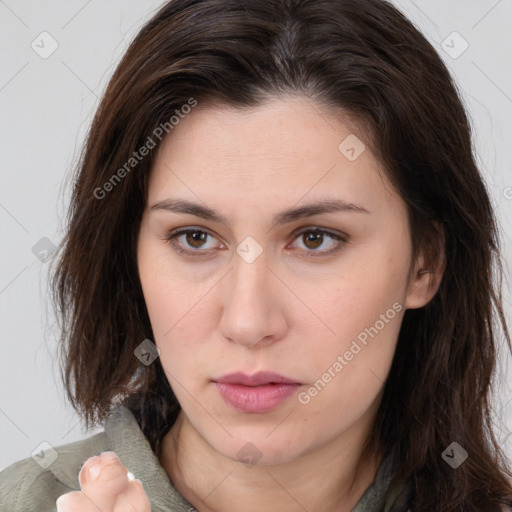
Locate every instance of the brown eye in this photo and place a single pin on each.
(194, 242)
(313, 240)
(196, 238)
(318, 242)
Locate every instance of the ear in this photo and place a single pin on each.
(427, 272)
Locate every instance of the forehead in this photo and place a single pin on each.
(287, 148)
(287, 127)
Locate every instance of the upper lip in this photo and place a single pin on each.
(256, 379)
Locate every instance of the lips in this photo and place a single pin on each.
(257, 393)
(257, 379)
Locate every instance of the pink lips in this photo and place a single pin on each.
(256, 393)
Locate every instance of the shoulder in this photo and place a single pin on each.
(30, 486)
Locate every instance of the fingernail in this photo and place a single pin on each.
(109, 455)
(94, 471)
(90, 462)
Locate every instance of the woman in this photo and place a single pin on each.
(280, 283)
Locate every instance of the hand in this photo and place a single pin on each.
(105, 487)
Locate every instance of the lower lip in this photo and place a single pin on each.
(255, 399)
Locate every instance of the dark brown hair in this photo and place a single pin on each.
(359, 57)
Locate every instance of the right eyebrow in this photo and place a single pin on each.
(183, 206)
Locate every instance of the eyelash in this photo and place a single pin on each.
(170, 238)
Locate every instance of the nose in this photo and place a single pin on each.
(253, 313)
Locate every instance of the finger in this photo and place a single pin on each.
(75, 501)
(102, 479)
(133, 499)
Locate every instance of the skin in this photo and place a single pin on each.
(288, 311)
(104, 486)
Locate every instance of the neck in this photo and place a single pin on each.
(331, 479)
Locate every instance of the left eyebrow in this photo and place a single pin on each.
(322, 207)
(183, 206)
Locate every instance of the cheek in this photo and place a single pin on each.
(365, 328)
(174, 323)
(164, 303)
(347, 376)
(359, 298)
(363, 311)
(169, 296)
(179, 335)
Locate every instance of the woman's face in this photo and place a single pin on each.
(267, 279)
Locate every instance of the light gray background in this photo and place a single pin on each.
(46, 106)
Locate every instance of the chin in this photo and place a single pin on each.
(259, 450)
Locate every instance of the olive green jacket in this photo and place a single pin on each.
(26, 486)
